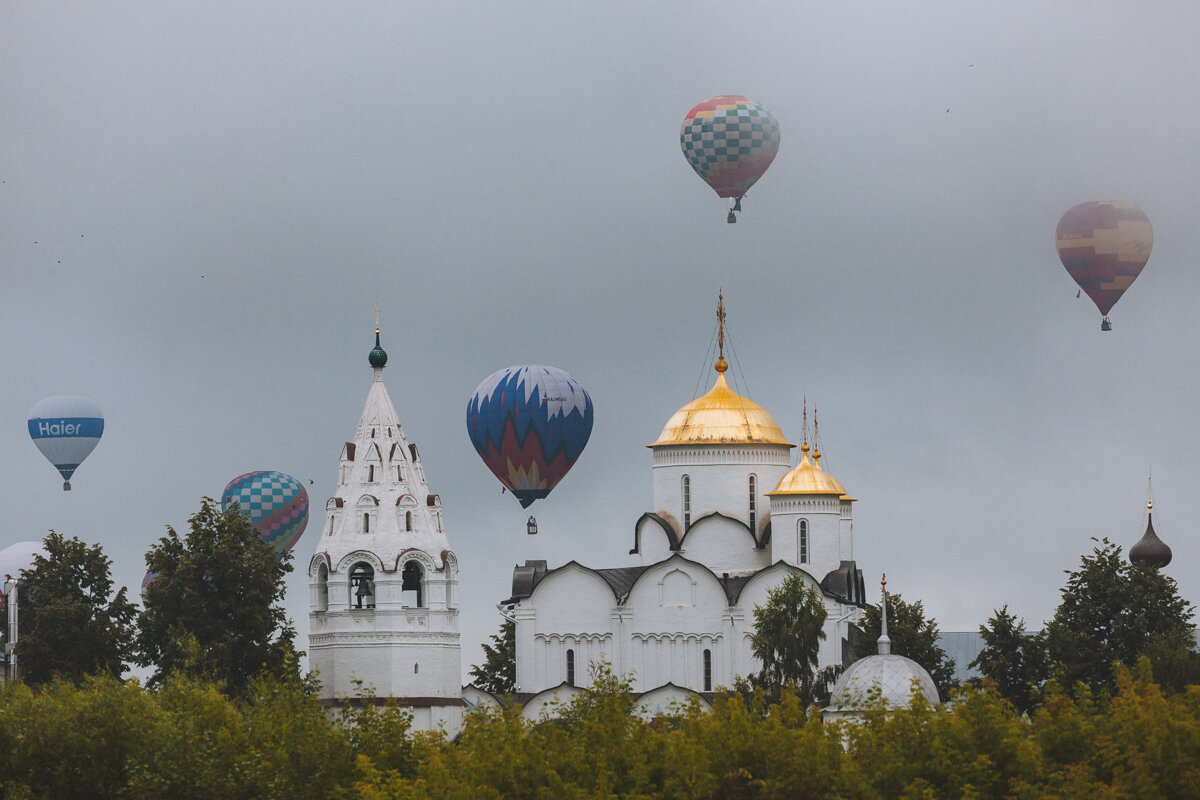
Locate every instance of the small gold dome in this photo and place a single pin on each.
(721, 417)
(807, 477)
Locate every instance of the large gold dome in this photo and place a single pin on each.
(721, 417)
(807, 477)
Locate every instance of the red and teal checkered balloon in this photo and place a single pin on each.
(730, 141)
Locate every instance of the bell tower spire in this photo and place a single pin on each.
(383, 609)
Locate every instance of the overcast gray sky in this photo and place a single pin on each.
(203, 202)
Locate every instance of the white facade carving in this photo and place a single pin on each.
(383, 581)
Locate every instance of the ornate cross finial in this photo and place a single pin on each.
(885, 643)
(804, 445)
(377, 317)
(1149, 490)
(721, 324)
(721, 364)
(816, 439)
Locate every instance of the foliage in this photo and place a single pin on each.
(214, 609)
(498, 672)
(1014, 659)
(1114, 612)
(787, 636)
(913, 636)
(188, 739)
(72, 625)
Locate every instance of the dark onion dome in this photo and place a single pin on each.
(378, 357)
(1150, 549)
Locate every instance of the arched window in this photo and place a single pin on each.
(408, 520)
(322, 588)
(754, 505)
(399, 472)
(370, 473)
(802, 542)
(687, 502)
(708, 670)
(570, 667)
(366, 523)
(412, 584)
(362, 585)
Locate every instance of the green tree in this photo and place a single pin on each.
(498, 672)
(1113, 612)
(214, 609)
(913, 636)
(72, 625)
(1012, 657)
(787, 636)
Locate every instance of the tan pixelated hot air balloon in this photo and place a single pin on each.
(1104, 246)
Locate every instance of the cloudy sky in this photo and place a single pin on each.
(202, 203)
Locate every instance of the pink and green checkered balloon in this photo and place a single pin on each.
(730, 141)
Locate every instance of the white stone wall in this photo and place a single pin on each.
(830, 537)
(719, 478)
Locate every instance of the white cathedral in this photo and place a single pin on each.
(732, 518)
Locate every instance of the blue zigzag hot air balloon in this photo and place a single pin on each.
(529, 424)
(66, 429)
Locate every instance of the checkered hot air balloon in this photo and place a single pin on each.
(275, 503)
(730, 141)
(1104, 246)
(529, 424)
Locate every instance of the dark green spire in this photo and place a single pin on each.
(378, 357)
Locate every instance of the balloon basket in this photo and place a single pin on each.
(1105, 325)
(66, 486)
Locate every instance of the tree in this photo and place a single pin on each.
(72, 625)
(913, 636)
(1113, 612)
(1013, 658)
(214, 609)
(787, 637)
(498, 672)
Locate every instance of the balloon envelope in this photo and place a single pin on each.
(1104, 246)
(66, 429)
(730, 141)
(276, 504)
(19, 556)
(529, 424)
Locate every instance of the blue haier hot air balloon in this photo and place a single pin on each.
(66, 429)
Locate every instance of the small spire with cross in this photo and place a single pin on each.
(721, 364)
(885, 644)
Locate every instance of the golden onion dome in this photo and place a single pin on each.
(721, 417)
(807, 477)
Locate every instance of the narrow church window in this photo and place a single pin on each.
(408, 520)
(412, 580)
(370, 473)
(366, 523)
(802, 541)
(416, 668)
(322, 588)
(372, 433)
(708, 670)
(570, 667)
(687, 502)
(362, 586)
(753, 504)
(399, 472)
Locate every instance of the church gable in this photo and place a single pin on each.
(723, 544)
(573, 599)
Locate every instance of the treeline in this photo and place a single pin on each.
(105, 739)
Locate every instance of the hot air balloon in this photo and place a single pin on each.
(730, 141)
(66, 429)
(19, 556)
(1104, 247)
(529, 424)
(276, 504)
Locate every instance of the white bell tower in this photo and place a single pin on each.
(383, 583)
